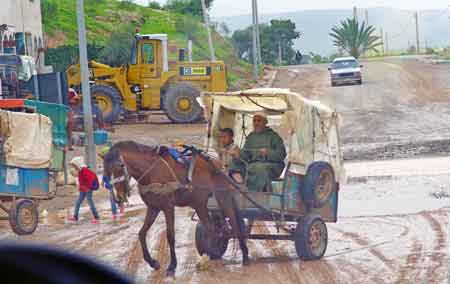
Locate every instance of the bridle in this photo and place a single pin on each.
(125, 178)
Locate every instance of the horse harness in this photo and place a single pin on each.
(158, 188)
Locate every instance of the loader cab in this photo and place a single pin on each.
(149, 57)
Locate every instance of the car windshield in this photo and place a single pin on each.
(267, 122)
(345, 64)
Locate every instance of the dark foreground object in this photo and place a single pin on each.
(31, 264)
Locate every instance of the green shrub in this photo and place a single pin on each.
(154, 5)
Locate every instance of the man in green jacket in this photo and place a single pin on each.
(261, 158)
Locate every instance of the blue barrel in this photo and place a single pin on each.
(100, 137)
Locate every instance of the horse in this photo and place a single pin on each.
(165, 183)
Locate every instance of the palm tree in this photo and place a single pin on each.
(354, 38)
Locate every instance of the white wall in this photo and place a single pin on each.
(25, 15)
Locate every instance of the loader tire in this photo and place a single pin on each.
(109, 101)
(180, 103)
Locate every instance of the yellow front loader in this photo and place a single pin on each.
(149, 82)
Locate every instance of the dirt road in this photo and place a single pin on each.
(389, 231)
(374, 248)
(402, 108)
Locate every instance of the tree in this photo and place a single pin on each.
(154, 5)
(63, 56)
(193, 7)
(48, 9)
(242, 42)
(118, 48)
(354, 38)
(277, 39)
(225, 29)
(284, 32)
(127, 5)
(187, 25)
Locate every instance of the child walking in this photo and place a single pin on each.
(87, 182)
(106, 183)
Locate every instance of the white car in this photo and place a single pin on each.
(345, 70)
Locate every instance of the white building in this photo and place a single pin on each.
(24, 33)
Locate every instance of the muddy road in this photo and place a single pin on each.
(389, 231)
(402, 108)
(409, 247)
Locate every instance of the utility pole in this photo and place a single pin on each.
(417, 32)
(355, 13)
(258, 34)
(386, 39)
(87, 110)
(382, 39)
(208, 30)
(367, 17)
(255, 43)
(190, 50)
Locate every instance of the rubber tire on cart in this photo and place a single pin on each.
(180, 103)
(24, 208)
(319, 184)
(109, 101)
(311, 237)
(333, 84)
(202, 244)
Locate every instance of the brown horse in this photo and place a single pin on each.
(165, 183)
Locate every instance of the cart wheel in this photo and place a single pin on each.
(319, 184)
(311, 237)
(215, 248)
(24, 217)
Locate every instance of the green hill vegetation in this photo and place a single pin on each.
(105, 18)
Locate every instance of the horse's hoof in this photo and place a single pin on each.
(245, 262)
(170, 273)
(155, 265)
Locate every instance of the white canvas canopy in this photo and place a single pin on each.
(309, 128)
(26, 139)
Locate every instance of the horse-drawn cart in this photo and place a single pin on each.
(31, 152)
(306, 196)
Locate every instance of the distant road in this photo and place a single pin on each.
(401, 100)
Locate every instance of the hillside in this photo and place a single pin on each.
(399, 24)
(105, 16)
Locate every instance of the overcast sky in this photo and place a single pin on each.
(239, 7)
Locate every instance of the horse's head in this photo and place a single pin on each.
(129, 159)
(115, 171)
